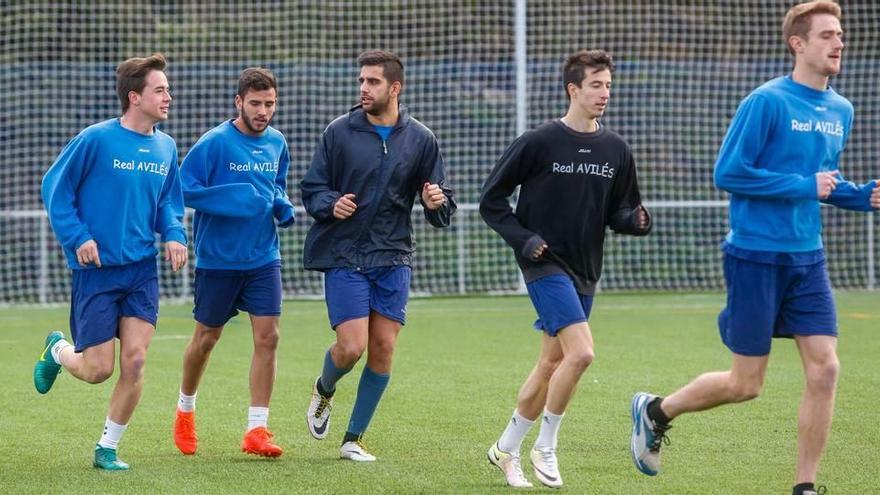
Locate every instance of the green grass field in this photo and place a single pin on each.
(458, 367)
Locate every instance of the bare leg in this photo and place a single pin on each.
(576, 342)
(351, 342)
(134, 337)
(821, 369)
(533, 395)
(195, 357)
(743, 382)
(266, 336)
(93, 364)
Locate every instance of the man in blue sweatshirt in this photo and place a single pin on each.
(112, 188)
(367, 170)
(235, 178)
(778, 161)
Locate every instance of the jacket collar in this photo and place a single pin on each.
(357, 118)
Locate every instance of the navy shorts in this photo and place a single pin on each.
(219, 294)
(558, 303)
(766, 301)
(100, 296)
(352, 294)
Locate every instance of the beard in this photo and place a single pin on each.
(252, 126)
(378, 107)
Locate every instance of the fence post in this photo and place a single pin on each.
(522, 107)
(43, 282)
(870, 231)
(462, 252)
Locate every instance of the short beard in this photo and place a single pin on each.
(377, 109)
(250, 126)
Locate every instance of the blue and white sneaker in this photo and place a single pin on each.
(647, 436)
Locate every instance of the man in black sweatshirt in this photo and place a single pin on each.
(576, 177)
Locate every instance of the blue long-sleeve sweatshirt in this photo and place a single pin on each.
(237, 185)
(783, 134)
(117, 187)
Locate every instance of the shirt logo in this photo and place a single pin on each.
(584, 150)
(600, 169)
(823, 126)
(143, 150)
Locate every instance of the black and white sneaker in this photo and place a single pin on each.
(318, 415)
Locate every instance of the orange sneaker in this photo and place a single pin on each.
(259, 442)
(185, 432)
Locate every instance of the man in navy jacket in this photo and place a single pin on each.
(360, 188)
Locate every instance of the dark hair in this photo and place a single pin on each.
(256, 78)
(392, 67)
(131, 75)
(799, 19)
(574, 69)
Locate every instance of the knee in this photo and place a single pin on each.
(546, 368)
(580, 360)
(382, 349)
(98, 373)
(207, 340)
(132, 365)
(824, 374)
(348, 353)
(267, 341)
(742, 391)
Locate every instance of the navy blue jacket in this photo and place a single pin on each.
(385, 176)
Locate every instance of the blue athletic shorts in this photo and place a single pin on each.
(766, 301)
(219, 294)
(100, 296)
(558, 303)
(352, 293)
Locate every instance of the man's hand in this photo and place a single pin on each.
(177, 254)
(88, 253)
(433, 196)
(538, 252)
(825, 183)
(875, 195)
(344, 207)
(642, 218)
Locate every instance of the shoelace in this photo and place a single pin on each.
(660, 437)
(549, 458)
(322, 405)
(517, 467)
(360, 443)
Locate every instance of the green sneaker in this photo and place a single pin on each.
(46, 370)
(106, 459)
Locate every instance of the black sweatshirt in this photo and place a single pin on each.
(573, 184)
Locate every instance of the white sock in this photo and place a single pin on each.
(513, 435)
(257, 416)
(186, 403)
(112, 434)
(549, 430)
(56, 349)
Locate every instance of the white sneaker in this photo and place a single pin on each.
(509, 464)
(318, 416)
(546, 466)
(355, 451)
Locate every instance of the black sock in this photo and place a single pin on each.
(321, 390)
(656, 414)
(350, 437)
(800, 488)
